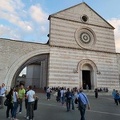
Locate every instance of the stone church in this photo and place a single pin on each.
(80, 51)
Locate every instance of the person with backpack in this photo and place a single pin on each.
(83, 102)
(9, 97)
(117, 97)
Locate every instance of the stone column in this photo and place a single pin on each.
(33, 75)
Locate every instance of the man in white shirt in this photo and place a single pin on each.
(31, 99)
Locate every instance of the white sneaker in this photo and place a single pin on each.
(27, 117)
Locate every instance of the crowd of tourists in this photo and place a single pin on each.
(76, 97)
(70, 98)
(13, 100)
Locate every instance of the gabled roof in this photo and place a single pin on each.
(73, 13)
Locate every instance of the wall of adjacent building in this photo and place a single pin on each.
(15, 53)
(118, 63)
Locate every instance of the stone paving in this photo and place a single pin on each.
(102, 108)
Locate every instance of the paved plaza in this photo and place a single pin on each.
(102, 108)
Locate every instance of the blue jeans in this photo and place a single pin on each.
(82, 112)
(48, 95)
(62, 100)
(68, 103)
(14, 111)
(9, 107)
(20, 105)
(73, 104)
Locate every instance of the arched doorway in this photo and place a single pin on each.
(87, 70)
(86, 76)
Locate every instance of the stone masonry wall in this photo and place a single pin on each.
(12, 51)
(64, 60)
(63, 34)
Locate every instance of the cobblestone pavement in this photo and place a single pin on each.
(102, 108)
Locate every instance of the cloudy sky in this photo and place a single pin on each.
(27, 20)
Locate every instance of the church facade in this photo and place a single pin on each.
(80, 52)
(82, 49)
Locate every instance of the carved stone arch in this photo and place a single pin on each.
(19, 62)
(87, 61)
(93, 72)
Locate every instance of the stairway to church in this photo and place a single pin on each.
(39, 90)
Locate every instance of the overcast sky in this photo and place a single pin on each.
(27, 20)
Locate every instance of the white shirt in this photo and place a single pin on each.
(76, 95)
(30, 94)
(15, 94)
(48, 90)
(62, 93)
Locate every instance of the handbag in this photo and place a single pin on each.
(76, 101)
(6, 102)
(35, 103)
(19, 100)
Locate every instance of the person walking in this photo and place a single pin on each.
(114, 94)
(9, 96)
(83, 102)
(117, 97)
(31, 99)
